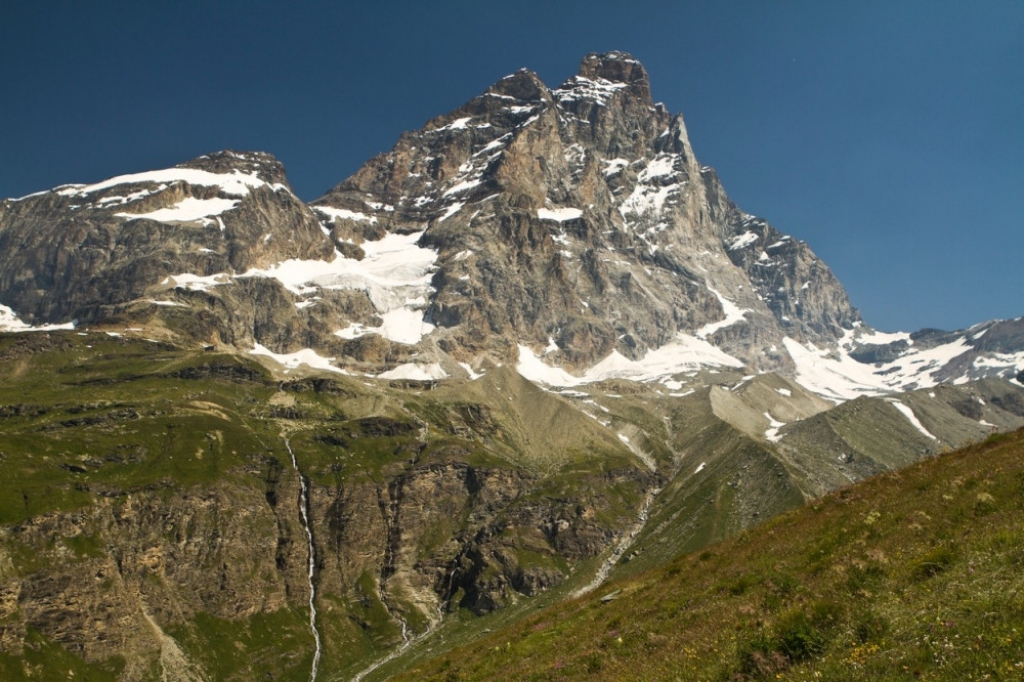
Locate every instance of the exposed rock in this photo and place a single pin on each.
(581, 214)
(78, 252)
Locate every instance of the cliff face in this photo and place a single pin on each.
(112, 579)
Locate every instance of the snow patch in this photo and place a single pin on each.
(463, 186)
(733, 314)
(234, 184)
(306, 356)
(684, 353)
(415, 372)
(772, 434)
(401, 325)
(450, 211)
(457, 124)
(580, 88)
(613, 166)
(344, 214)
(10, 322)
(192, 282)
(911, 417)
(473, 376)
(662, 165)
(186, 210)
(742, 241)
(559, 214)
(838, 377)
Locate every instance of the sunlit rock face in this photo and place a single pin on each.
(577, 222)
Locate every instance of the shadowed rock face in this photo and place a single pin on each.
(578, 215)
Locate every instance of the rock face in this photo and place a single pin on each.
(81, 251)
(97, 580)
(575, 217)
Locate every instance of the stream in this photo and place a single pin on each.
(620, 549)
(304, 513)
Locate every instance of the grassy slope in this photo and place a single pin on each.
(86, 416)
(916, 574)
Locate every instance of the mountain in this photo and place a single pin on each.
(570, 230)
(577, 223)
(531, 348)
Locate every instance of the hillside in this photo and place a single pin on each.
(168, 507)
(150, 500)
(914, 574)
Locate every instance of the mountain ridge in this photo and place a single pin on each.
(562, 228)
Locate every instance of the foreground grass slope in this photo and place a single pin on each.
(914, 574)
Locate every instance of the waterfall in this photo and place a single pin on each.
(304, 513)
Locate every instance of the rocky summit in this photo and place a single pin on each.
(576, 222)
(532, 348)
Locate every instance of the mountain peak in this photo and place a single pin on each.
(262, 165)
(522, 85)
(617, 67)
(570, 229)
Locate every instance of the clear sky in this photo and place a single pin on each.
(889, 135)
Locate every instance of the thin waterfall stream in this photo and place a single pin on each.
(304, 513)
(620, 549)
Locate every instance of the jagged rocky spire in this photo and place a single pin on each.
(618, 67)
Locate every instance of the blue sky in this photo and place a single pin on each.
(888, 135)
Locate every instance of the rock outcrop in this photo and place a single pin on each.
(84, 251)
